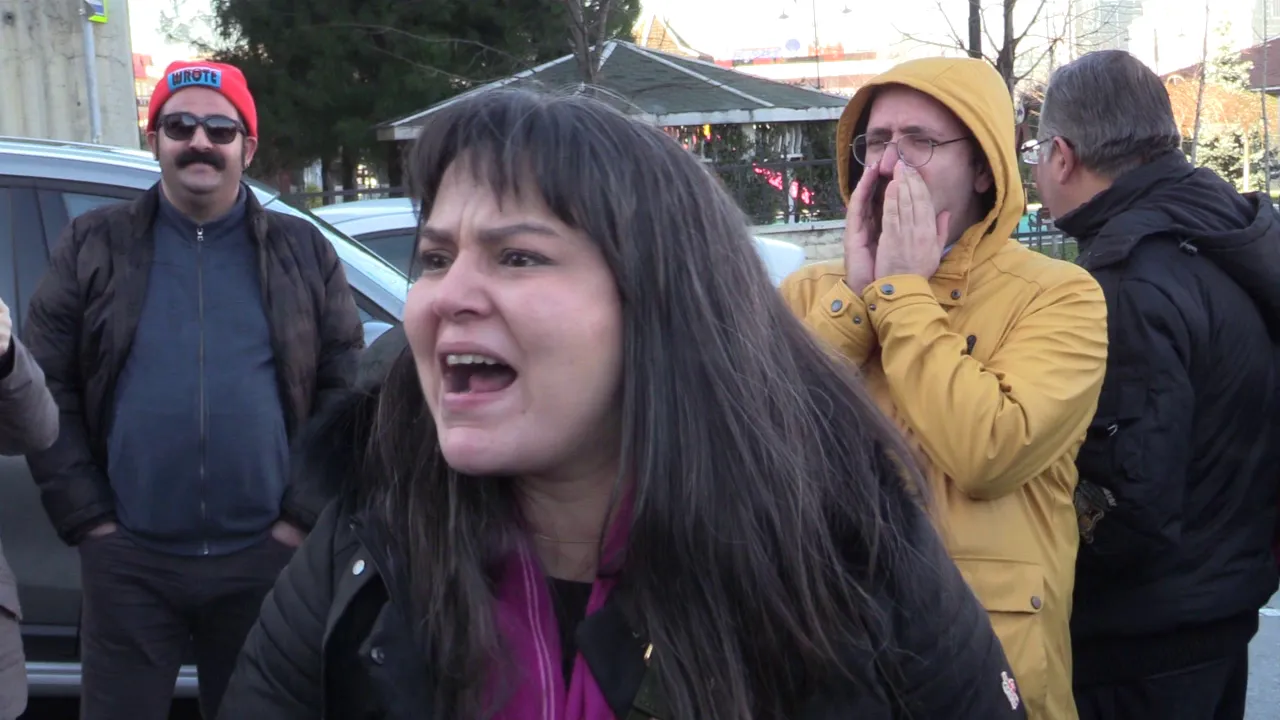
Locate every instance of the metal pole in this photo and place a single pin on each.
(91, 76)
(1204, 65)
(1266, 129)
(817, 49)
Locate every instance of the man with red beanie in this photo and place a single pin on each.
(187, 337)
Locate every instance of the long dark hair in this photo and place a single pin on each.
(766, 498)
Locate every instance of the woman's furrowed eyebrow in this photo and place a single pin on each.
(489, 236)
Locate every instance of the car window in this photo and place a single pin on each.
(24, 257)
(6, 251)
(365, 308)
(78, 204)
(395, 247)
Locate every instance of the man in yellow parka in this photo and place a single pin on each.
(989, 356)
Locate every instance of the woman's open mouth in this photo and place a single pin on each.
(469, 373)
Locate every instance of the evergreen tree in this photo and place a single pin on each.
(1228, 67)
(325, 72)
(1224, 145)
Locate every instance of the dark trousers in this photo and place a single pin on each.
(143, 611)
(1213, 690)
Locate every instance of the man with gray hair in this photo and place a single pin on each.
(1178, 475)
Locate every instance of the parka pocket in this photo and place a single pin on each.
(1124, 403)
(1012, 593)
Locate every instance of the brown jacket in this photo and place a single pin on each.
(83, 316)
(992, 368)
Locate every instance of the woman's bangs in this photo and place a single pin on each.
(510, 143)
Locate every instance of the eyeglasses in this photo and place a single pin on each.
(220, 129)
(1032, 149)
(914, 150)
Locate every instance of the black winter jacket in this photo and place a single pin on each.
(81, 324)
(332, 642)
(1180, 471)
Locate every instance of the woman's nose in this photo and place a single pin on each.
(461, 290)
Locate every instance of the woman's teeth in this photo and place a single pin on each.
(470, 359)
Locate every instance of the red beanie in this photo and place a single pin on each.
(226, 79)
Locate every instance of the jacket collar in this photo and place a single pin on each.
(613, 649)
(1128, 191)
(143, 213)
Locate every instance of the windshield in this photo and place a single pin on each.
(352, 253)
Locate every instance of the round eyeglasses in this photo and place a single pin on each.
(914, 149)
(1032, 149)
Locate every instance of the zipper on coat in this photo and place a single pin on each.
(204, 519)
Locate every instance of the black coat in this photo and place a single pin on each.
(331, 643)
(1183, 458)
(83, 315)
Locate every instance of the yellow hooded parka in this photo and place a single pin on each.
(992, 368)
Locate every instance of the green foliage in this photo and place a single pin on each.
(325, 72)
(757, 171)
(1222, 149)
(1227, 67)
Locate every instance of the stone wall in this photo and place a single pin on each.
(820, 240)
(43, 93)
(824, 240)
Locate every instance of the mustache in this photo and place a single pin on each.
(191, 156)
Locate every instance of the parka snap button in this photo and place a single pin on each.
(836, 305)
(357, 568)
(955, 294)
(872, 307)
(1035, 602)
(857, 319)
(377, 655)
(887, 288)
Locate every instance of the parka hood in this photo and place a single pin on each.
(1170, 197)
(976, 93)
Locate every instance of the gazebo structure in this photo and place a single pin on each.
(666, 90)
(758, 132)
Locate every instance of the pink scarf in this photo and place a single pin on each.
(526, 619)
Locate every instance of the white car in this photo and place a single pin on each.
(388, 227)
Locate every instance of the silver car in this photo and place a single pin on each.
(43, 185)
(388, 227)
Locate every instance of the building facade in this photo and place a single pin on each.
(43, 88)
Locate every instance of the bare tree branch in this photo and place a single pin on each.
(515, 61)
(953, 44)
(950, 26)
(469, 81)
(1031, 23)
(1018, 79)
(986, 30)
(1021, 50)
(579, 37)
(602, 32)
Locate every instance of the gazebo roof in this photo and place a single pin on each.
(667, 90)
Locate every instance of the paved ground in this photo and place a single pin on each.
(1264, 665)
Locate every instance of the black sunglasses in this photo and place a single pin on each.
(220, 129)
